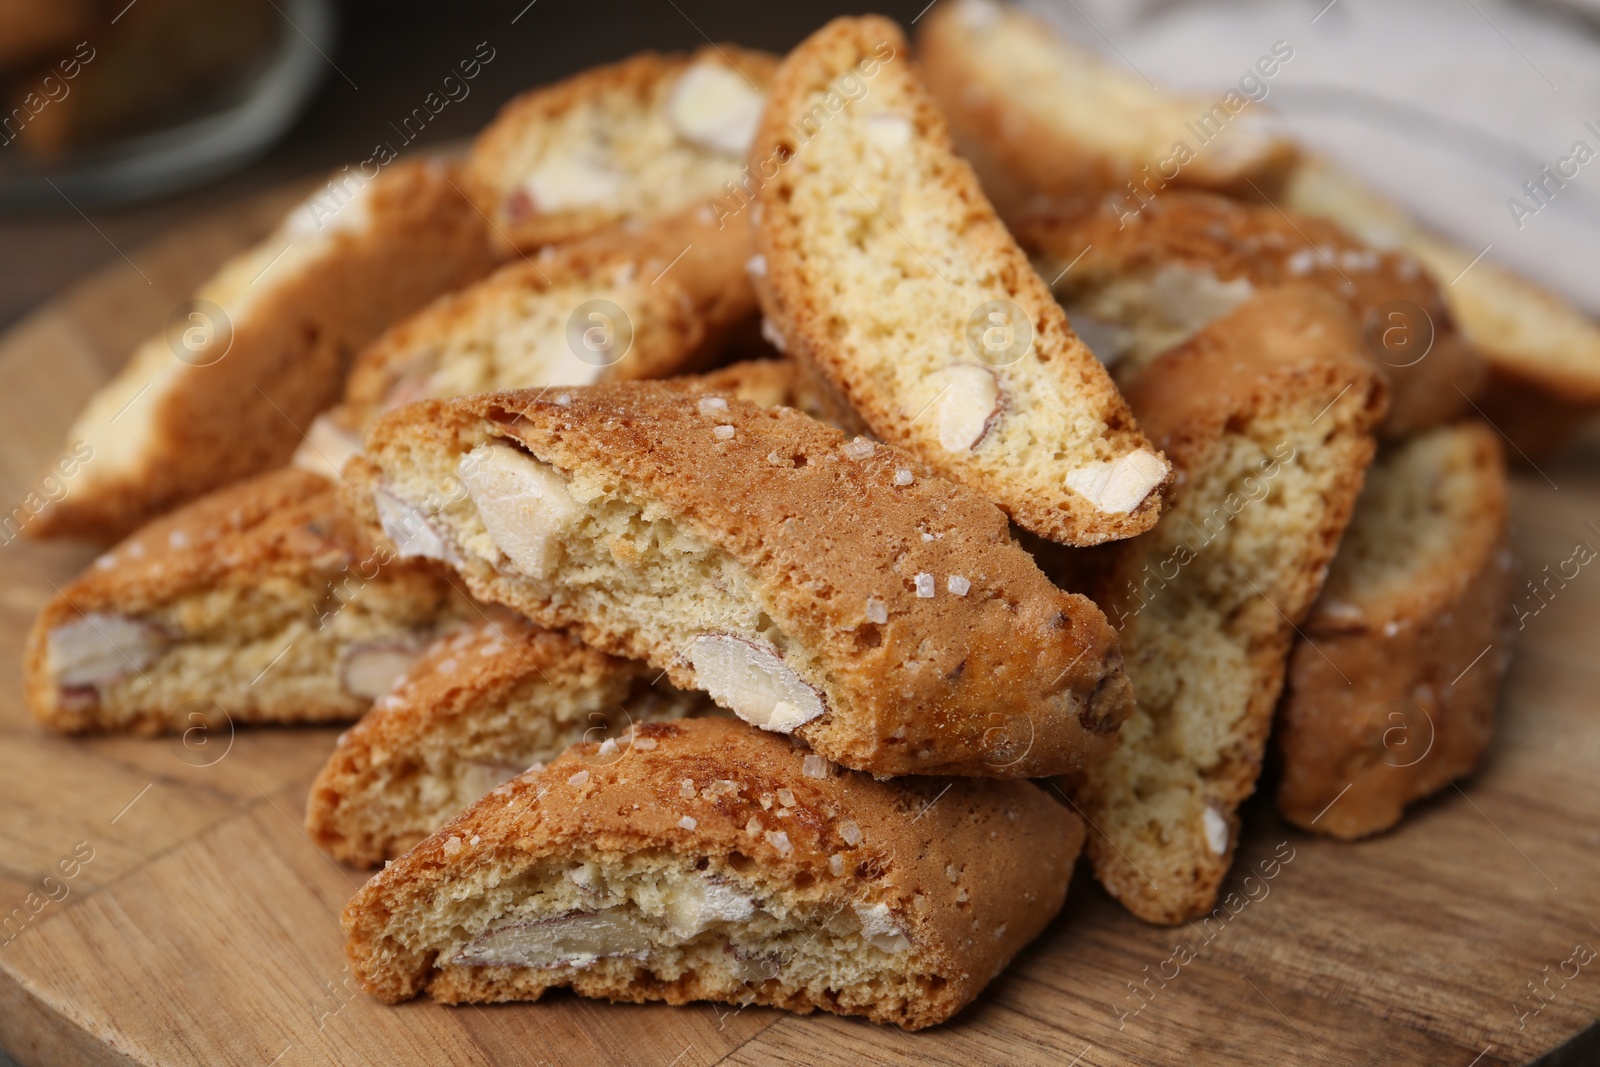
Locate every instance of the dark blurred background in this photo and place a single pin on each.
(388, 55)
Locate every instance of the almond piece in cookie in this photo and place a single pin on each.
(265, 346)
(801, 577)
(888, 272)
(1045, 119)
(703, 862)
(478, 708)
(1269, 413)
(1392, 691)
(1187, 259)
(624, 143)
(261, 602)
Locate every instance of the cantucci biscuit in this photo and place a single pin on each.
(1269, 413)
(1135, 286)
(1044, 119)
(1543, 354)
(261, 602)
(709, 861)
(657, 301)
(481, 706)
(632, 141)
(888, 272)
(829, 588)
(265, 345)
(1392, 690)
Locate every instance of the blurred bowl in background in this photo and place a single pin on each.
(110, 106)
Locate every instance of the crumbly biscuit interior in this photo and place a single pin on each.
(1231, 543)
(920, 306)
(662, 917)
(619, 561)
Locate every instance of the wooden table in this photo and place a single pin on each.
(204, 928)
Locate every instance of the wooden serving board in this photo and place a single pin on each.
(203, 927)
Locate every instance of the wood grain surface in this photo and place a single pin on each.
(204, 928)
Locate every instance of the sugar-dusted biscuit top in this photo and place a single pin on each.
(705, 860)
(830, 587)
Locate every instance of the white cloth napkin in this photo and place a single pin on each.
(1446, 106)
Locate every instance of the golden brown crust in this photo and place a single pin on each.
(280, 531)
(685, 293)
(1388, 292)
(1284, 371)
(972, 870)
(243, 413)
(471, 712)
(641, 84)
(1392, 688)
(821, 276)
(1010, 130)
(1007, 680)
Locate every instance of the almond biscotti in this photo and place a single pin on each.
(481, 706)
(1543, 353)
(709, 861)
(1269, 413)
(660, 300)
(829, 588)
(628, 142)
(886, 270)
(1392, 690)
(1134, 286)
(261, 602)
(224, 392)
(1044, 119)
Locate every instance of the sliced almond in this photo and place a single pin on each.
(576, 939)
(1122, 484)
(571, 181)
(102, 647)
(879, 926)
(716, 108)
(408, 528)
(968, 401)
(1215, 828)
(368, 669)
(702, 904)
(524, 505)
(888, 132)
(753, 682)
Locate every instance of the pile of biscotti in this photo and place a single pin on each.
(750, 584)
